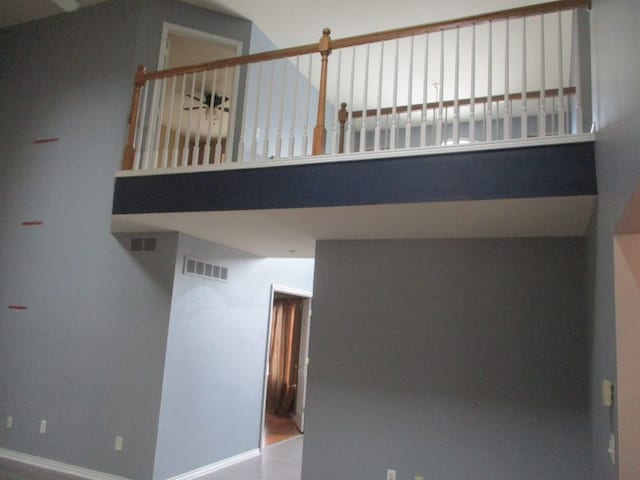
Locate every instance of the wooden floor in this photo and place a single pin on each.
(277, 429)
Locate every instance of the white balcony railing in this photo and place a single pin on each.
(499, 77)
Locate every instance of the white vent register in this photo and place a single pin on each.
(198, 268)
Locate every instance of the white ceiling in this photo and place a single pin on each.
(293, 232)
(294, 22)
(13, 12)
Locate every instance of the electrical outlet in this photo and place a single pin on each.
(43, 426)
(119, 444)
(612, 448)
(419, 477)
(607, 393)
(391, 474)
(10, 421)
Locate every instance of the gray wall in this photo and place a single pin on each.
(214, 376)
(88, 353)
(450, 359)
(616, 75)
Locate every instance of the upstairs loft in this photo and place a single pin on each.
(491, 107)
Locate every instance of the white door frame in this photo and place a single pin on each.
(163, 55)
(289, 291)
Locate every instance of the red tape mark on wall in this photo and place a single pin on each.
(32, 223)
(17, 307)
(46, 140)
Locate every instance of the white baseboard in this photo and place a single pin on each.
(48, 464)
(214, 467)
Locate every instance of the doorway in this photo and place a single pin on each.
(197, 112)
(286, 365)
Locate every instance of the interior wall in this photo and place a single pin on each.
(212, 393)
(627, 284)
(448, 359)
(615, 41)
(87, 353)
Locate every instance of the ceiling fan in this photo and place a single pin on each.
(220, 103)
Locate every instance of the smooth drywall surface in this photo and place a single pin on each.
(448, 359)
(215, 365)
(616, 75)
(87, 354)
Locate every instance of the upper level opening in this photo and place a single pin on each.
(511, 78)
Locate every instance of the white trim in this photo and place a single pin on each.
(291, 291)
(55, 466)
(214, 467)
(363, 156)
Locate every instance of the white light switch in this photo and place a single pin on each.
(419, 477)
(119, 444)
(10, 421)
(391, 474)
(607, 393)
(612, 449)
(43, 426)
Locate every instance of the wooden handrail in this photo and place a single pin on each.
(129, 149)
(519, 12)
(553, 92)
(235, 61)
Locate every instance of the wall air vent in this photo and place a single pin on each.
(143, 244)
(198, 268)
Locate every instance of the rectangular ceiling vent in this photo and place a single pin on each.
(198, 268)
(143, 244)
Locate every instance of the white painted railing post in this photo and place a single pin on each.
(425, 93)
(472, 91)
(376, 132)
(363, 126)
(456, 92)
(408, 125)
(438, 139)
(542, 115)
(561, 114)
(488, 105)
(523, 116)
(578, 74)
(506, 120)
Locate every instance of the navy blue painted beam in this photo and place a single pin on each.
(546, 171)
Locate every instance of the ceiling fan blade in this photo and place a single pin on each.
(67, 5)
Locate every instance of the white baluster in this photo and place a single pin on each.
(348, 140)
(294, 109)
(472, 102)
(278, 153)
(394, 115)
(267, 129)
(255, 133)
(542, 116)
(507, 101)
(165, 150)
(153, 115)
(456, 102)
(438, 140)
(488, 105)
(196, 143)
(207, 148)
(376, 135)
(408, 125)
(140, 130)
(578, 78)
(336, 125)
(435, 129)
(523, 115)
(217, 154)
(561, 121)
(363, 127)
(156, 146)
(305, 136)
(176, 143)
(186, 156)
(425, 94)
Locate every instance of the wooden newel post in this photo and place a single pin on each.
(130, 149)
(320, 132)
(342, 119)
